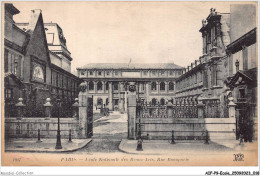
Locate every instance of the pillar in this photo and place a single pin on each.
(120, 103)
(158, 86)
(200, 107)
(110, 96)
(48, 106)
(166, 86)
(82, 114)
(95, 86)
(231, 108)
(132, 111)
(169, 109)
(147, 90)
(104, 86)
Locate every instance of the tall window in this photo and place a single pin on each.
(115, 86)
(162, 86)
(171, 86)
(99, 85)
(91, 85)
(91, 73)
(16, 67)
(116, 73)
(99, 73)
(8, 93)
(153, 86)
(107, 86)
(154, 73)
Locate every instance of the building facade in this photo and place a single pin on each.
(108, 82)
(31, 66)
(226, 69)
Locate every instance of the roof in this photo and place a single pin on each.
(10, 7)
(250, 75)
(131, 66)
(247, 40)
(15, 78)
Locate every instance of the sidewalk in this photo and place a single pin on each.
(47, 145)
(164, 147)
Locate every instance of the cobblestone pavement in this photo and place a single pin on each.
(107, 134)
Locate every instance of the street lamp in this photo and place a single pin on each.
(58, 143)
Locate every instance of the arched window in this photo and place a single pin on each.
(162, 102)
(153, 86)
(91, 85)
(171, 86)
(99, 85)
(154, 101)
(162, 86)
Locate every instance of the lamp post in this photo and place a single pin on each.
(58, 143)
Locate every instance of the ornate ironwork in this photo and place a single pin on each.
(149, 110)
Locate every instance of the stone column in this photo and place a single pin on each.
(110, 96)
(104, 86)
(83, 98)
(169, 109)
(200, 107)
(231, 108)
(147, 90)
(158, 86)
(48, 106)
(120, 103)
(132, 111)
(95, 86)
(20, 107)
(166, 86)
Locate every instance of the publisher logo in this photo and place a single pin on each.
(238, 157)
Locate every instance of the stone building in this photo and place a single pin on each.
(205, 78)
(242, 53)
(108, 82)
(34, 68)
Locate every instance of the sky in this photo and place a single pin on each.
(115, 32)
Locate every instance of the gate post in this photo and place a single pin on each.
(231, 108)
(131, 111)
(169, 109)
(83, 97)
(200, 107)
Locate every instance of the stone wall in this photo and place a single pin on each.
(221, 130)
(28, 127)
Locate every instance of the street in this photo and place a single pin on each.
(107, 134)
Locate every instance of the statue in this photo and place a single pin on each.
(83, 86)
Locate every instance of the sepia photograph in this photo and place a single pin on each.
(129, 84)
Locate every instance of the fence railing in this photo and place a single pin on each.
(36, 133)
(176, 110)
